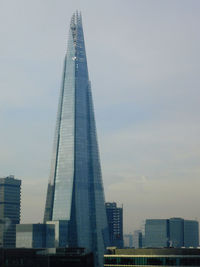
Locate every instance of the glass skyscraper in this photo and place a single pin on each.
(75, 191)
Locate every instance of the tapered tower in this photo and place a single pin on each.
(75, 191)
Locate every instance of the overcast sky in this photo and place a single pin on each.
(144, 66)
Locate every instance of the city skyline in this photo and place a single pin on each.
(146, 100)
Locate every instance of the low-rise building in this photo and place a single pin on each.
(152, 257)
(35, 236)
(28, 257)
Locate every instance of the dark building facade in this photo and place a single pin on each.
(74, 257)
(152, 257)
(10, 200)
(75, 191)
(173, 232)
(115, 224)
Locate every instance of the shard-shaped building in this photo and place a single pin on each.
(75, 191)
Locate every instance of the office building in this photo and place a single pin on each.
(10, 200)
(152, 257)
(176, 232)
(191, 233)
(35, 236)
(173, 232)
(115, 224)
(156, 233)
(75, 190)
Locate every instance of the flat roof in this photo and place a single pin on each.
(153, 251)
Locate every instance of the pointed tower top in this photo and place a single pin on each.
(76, 21)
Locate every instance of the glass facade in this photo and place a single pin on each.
(61, 232)
(173, 232)
(156, 233)
(176, 235)
(191, 233)
(75, 190)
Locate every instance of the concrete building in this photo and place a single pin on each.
(10, 201)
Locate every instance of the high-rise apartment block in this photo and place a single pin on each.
(10, 200)
(75, 191)
(115, 224)
(173, 232)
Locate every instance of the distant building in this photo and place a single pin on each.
(137, 239)
(157, 233)
(35, 236)
(115, 224)
(176, 232)
(128, 241)
(10, 200)
(191, 233)
(152, 257)
(173, 232)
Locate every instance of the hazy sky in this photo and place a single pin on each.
(144, 66)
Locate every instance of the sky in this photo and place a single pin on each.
(144, 66)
